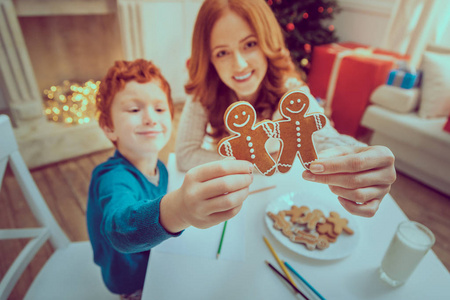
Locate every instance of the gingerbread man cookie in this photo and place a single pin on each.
(312, 240)
(310, 228)
(296, 212)
(339, 223)
(296, 129)
(250, 137)
(326, 231)
(280, 223)
(311, 219)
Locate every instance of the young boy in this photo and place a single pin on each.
(129, 211)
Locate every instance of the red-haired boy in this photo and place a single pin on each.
(129, 211)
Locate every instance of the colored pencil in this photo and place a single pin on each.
(287, 280)
(221, 239)
(262, 189)
(225, 223)
(304, 281)
(282, 266)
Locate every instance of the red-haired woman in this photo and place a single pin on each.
(238, 53)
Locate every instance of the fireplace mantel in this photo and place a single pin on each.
(140, 25)
(41, 141)
(28, 8)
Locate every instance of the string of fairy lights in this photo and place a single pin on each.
(71, 103)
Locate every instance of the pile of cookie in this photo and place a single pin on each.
(311, 228)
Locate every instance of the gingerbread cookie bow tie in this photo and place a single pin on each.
(294, 131)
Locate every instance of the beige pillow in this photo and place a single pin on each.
(395, 98)
(435, 92)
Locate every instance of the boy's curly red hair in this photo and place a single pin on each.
(139, 70)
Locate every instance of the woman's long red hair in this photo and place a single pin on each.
(204, 82)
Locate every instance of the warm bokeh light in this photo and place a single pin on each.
(290, 26)
(307, 48)
(71, 103)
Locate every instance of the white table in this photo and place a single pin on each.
(186, 267)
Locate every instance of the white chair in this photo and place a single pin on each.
(70, 273)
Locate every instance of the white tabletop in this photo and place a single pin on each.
(186, 267)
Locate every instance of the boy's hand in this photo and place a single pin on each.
(210, 194)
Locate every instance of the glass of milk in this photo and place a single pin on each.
(409, 245)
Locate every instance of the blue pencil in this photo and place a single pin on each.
(304, 281)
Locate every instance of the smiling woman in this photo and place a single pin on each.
(238, 60)
(238, 53)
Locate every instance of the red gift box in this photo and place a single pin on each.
(345, 75)
(447, 125)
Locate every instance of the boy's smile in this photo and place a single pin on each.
(149, 133)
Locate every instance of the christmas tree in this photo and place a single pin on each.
(306, 23)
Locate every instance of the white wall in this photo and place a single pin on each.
(366, 22)
(167, 32)
(363, 21)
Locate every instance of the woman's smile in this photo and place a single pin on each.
(243, 77)
(237, 58)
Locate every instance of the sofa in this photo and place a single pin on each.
(411, 122)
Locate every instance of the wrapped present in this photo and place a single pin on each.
(406, 79)
(346, 74)
(447, 125)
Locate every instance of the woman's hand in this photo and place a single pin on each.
(360, 176)
(210, 194)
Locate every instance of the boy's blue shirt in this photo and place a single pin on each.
(123, 221)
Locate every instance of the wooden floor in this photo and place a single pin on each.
(64, 185)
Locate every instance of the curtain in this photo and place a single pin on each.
(416, 23)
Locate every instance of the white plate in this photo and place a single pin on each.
(345, 243)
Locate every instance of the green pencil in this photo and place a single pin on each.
(221, 239)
